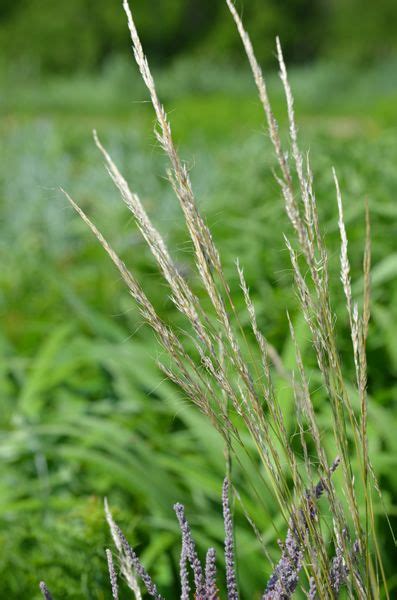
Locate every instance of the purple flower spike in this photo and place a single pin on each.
(339, 572)
(184, 575)
(190, 549)
(284, 579)
(45, 591)
(210, 575)
(312, 594)
(231, 583)
(140, 569)
(112, 575)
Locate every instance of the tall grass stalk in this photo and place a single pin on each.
(236, 391)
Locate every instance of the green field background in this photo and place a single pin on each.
(85, 412)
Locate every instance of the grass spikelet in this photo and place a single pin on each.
(112, 575)
(210, 575)
(231, 579)
(126, 565)
(45, 591)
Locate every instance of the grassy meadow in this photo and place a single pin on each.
(86, 413)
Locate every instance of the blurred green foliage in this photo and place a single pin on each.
(82, 35)
(85, 411)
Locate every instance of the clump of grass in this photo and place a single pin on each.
(237, 393)
(281, 585)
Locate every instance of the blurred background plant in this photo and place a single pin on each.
(85, 412)
(37, 34)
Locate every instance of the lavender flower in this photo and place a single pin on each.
(284, 579)
(312, 593)
(231, 584)
(112, 575)
(321, 485)
(339, 572)
(45, 591)
(184, 575)
(190, 548)
(140, 569)
(210, 575)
